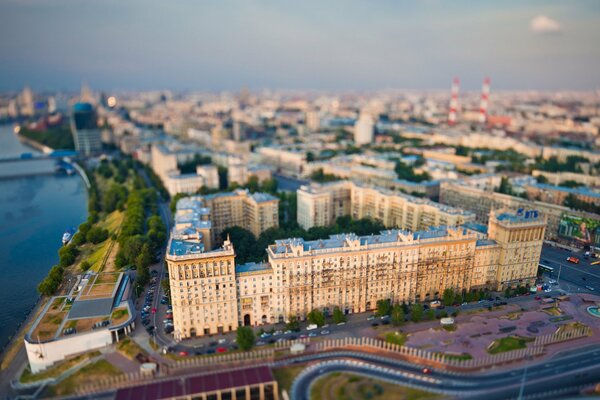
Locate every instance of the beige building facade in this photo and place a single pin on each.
(351, 272)
(321, 205)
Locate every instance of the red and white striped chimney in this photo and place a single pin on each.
(453, 102)
(483, 106)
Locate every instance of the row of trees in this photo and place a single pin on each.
(248, 248)
(140, 238)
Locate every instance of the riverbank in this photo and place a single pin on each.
(35, 210)
(34, 144)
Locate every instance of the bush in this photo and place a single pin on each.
(97, 235)
(316, 317)
(67, 255)
(338, 315)
(245, 337)
(78, 239)
(85, 265)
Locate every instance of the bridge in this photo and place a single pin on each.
(28, 164)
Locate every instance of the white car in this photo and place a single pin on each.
(311, 327)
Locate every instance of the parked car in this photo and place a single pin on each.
(312, 334)
(311, 327)
(325, 332)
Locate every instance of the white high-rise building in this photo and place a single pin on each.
(363, 130)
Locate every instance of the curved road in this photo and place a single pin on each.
(566, 373)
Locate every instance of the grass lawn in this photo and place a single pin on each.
(119, 316)
(398, 338)
(554, 311)
(341, 386)
(90, 373)
(507, 344)
(571, 326)
(56, 369)
(129, 348)
(285, 376)
(95, 253)
(452, 356)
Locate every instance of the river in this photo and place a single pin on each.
(34, 213)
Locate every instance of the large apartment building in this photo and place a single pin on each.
(203, 218)
(481, 202)
(321, 204)
(351, 272)
(255, 212)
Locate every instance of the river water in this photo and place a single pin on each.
(34, 213)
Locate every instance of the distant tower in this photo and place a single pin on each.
(483, 106)
(363, 129)
(86, 95)
(453, 102)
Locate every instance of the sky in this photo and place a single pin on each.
(323, 45)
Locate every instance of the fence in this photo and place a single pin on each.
(571, 334)
(289, 343)
(428, 357)
(216, 362)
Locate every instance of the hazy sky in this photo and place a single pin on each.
(197, 45)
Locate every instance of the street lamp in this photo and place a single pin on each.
(522, 388)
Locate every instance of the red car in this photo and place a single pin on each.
(221, 349)
(426, 371)
(183, 353)
(538, 298)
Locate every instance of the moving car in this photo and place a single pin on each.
(573, 260)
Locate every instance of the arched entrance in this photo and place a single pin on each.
(264, 319)
(193, 332)
(247, 321)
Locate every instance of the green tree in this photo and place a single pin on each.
(67, 255)
(253, 185)
(316, 317)
(175, 199)
(270, 186)
(144, 258)
(85, 265)
(430, 314)
(338, 315)
(505, 186)
(397, 315)
(416, 313)
(96, 235)
(383, 307)
(245, 337)
(293, 323)
(448, 297)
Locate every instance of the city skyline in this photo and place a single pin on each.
(352, 46)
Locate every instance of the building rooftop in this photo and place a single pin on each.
(481, 228)
(262, 197)
(520, 216)
(343, 240)
(252, 267)
(192, 385)
(486, 242)
(582, 190)
(182, 247)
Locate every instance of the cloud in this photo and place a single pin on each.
(542, 25)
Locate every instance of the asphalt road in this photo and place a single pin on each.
(567, 372)
(573, 277)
